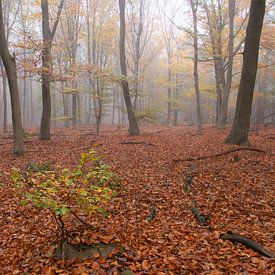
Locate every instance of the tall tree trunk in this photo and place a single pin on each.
(31, 101)
(169, 90)
(137, 53)
(45, 126)
(226, 92)
(133, 127)
(48, 34)
(240, 128)
(10, 67)
(89, 61)
(194, 6)
(5, 101)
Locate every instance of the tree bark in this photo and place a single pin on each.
(48, 34)
(10, 67)
(227, 88)
(5, 101)
(194, 7)
(240, 128)
(133, 127)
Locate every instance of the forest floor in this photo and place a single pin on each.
(236, 190)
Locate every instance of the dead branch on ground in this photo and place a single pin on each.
(236, 238)
(221, 154)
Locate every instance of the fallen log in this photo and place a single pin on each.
(222, 154)
(201, 218)
(236, 238)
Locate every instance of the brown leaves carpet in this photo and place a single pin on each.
(236, 190)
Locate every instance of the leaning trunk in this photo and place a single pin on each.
(10, 67)
(133, 128)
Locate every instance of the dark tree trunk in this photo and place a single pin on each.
(10, 67)
(133, 128)
(48, 34)
(194, 6)
(45, 126)
(241, 123)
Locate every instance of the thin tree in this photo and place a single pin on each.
(10, 68)
(133, 127)
(194, 7)
(241, 123)
(48, 35)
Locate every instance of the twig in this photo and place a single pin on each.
(81, 220)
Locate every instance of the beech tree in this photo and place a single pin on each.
(10, 68)
(48, 35)
(194, 7)
(241, 123)
(133, 127)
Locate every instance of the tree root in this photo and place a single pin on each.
(222, 154)
(236, 238)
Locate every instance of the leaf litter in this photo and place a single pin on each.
(236, 190)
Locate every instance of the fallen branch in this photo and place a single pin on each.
(152, 213)
(188, 183)
(236, 238)
(267, 116)
(137, 142)
(222, 154)
(201, 218)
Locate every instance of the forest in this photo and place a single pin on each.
(137, 137)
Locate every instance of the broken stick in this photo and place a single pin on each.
(236, 238)
(201, 218)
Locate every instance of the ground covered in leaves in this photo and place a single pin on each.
(236, 190)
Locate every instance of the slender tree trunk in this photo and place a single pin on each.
(89, 60)
(31, 101)
(133, 128)
(45, 126)
(241, 123)
(194, 6)
(5, 101)
(169, 90)
(10, 67)
(226, 92)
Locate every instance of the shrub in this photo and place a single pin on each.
(67, 191)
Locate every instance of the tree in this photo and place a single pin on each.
(223, 32)
(10, 68)
(48, 35)
(194, 7)
(133, 127)
(241, 123)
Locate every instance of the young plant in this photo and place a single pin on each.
(67, 191)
